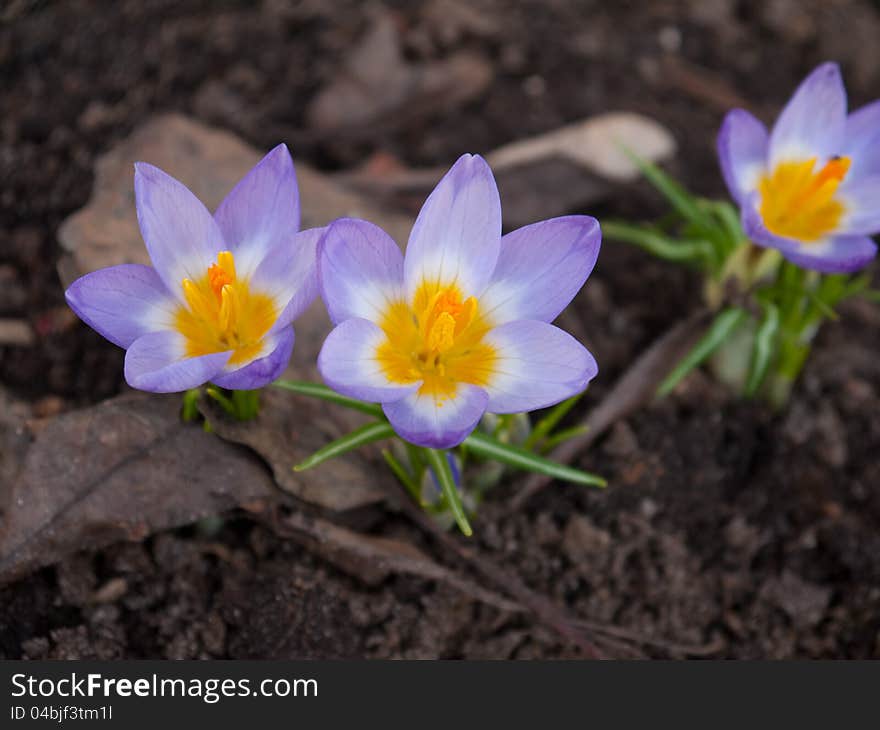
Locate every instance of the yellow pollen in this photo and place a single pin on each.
(223, 313)
(800, 202)
(438, 339)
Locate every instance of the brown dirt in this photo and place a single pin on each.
(726, 528)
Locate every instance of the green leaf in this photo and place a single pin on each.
(728, 216)
(316, 390)
(688, 250)
(723, 326)
(563, 436)
(190, 409)
(440, 466)
(247, 404)
(517, 457)
(550, 421)
(763, 349)
(366, 434)
(402, 474)
(219, 397)
(680, 199)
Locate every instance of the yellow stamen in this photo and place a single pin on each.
(438, 339)
(223, 313)
(799, 202)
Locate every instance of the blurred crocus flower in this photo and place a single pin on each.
(218, 302)
(461, 324)
(811, 187)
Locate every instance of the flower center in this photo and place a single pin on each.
(438, 339)
(798, 201)
(222, 313)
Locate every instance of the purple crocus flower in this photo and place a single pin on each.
(218, 302)
(461, 324)
(811, 187)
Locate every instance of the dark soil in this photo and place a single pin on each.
(727, 529)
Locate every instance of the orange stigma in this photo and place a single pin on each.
(800, 202)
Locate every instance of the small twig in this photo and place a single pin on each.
(671, 647)
(540, 606)
(632, 390)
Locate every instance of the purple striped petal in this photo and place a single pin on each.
(862, 201)
(742, 150)
(538, 365)
(122, 302)
(263, 370)
(289, 274)
(181, 236)
(423, 421)
(862, 143)
(837, 255)
(812, 123)
(261, 211)
(457, 235)
(348, 363)
(360, 270)
(540, 269)
(157, 363)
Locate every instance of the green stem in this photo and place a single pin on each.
(440, 466)
(402, 475)
(486, 447)
(316, 390)
(551, 420)
(362, 436)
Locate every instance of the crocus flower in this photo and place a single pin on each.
(218, 302)
(461, 324)
(811, 187)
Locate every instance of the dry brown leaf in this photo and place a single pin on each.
(377, 84)
(373, 559)
(118, 471)
(290, 428)
(546, 175)
(632, 390)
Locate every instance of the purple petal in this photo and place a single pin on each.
(742, 150)
(181, 236)
(457, 235)
(264, 370)
(540, 269)
(423, 421)
(862, 201)
(289, 274)
(157, 363)
(862, 143)
(122, 302)
(538, 365)
(261, 211)
(812, 123)
(837, 255)
(348, 363)
(360, 270)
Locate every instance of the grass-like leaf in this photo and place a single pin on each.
(550, 421)
(485, 446)
(680, 199)
(362, 436)
(671, 249)
(723, 326)
(562, 436)
(763, 349)
(402, 475)
(440, 466)
(316, 390)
